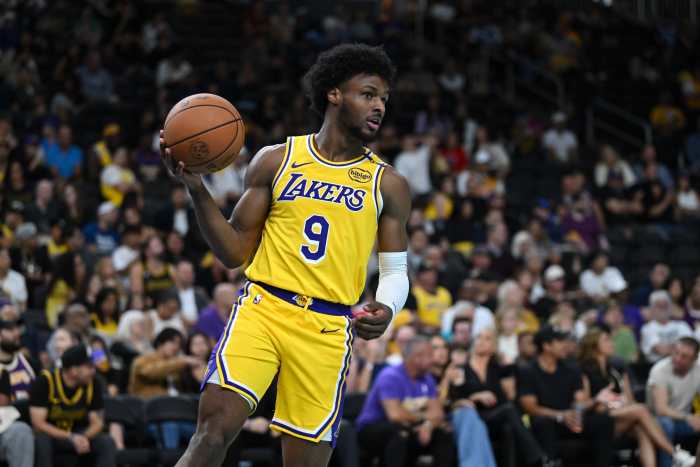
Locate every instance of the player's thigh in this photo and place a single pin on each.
(222, 412)
(246, 358)
(315, 358)
(298, 452)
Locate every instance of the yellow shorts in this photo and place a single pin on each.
(274, 332)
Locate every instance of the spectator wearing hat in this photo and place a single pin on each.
(63, 158)
(602, 281)
(551, 392)
(22, 372)
(673, 384)
(432, 299)
(554, 285)
(402, 414)
(101, 236)
(560, 142)
(12, 283)
(66, 407)
(661, 332)
(158, 373)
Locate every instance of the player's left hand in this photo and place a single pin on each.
(372, 320)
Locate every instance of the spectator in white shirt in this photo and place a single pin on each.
(12, 283)
(192, 299)
(481, 317)
(413, 162)
(560, 142)
(610, 161)
(601, 280)
(659, 334)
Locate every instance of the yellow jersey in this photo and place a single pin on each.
(322, 224)
(431, 306)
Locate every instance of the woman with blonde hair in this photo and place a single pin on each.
(609, 384)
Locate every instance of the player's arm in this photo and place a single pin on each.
(393, 245)
(233, 240)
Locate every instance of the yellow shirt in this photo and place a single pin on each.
(322, 224)
(431, 305)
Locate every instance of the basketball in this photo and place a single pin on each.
(205, 131)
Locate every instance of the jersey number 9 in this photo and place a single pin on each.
(316, 235)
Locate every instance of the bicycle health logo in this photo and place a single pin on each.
(360, 175)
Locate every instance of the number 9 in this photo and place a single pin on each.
(316, 234)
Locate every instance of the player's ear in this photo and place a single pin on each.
(335, 97)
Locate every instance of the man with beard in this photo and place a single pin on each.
(20, 371)
(311, 213)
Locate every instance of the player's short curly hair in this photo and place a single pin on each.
(337, 65)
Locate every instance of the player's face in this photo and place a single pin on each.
(364, 105)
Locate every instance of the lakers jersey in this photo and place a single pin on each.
(322, 224)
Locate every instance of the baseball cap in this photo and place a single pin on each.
(553, 273)
(75, 356)
(549, 333)
(105, 208)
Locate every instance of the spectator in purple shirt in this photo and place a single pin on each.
(402, 415)
(212, 320)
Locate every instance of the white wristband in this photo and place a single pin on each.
(393, 286)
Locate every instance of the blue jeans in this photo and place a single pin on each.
(169, 434)
(472, 438)
(675, 431)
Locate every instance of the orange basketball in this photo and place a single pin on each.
(205, 131)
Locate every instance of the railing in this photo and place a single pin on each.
(605, 120)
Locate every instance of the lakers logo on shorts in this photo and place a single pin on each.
(302, 300)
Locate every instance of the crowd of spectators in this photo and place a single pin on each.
(535, 257)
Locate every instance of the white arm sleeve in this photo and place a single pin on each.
(392, 289)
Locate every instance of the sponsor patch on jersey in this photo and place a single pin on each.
(360, 175)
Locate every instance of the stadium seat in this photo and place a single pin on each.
(170, 408)
(128, 411)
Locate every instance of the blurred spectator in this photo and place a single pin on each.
(104, 275)
(213, 318)
(600, 281)
(106, 313)
(68, 283)
(623, 339)
(21, 371)
(131, 340)
(659, 276)
(44, 210)
(480, 316)
(687, 201)
(103, 151)
(461, 332)
(414, 161)
(658, 200)
(648, 158)
(560, 142)
(673, 384)
(60, 340)
(226, 186)
(76, 320)
(433, 120)
(125, 255)
(63, 157)
(16, 438)
(502, 263)
(692, 306)
(661, 332)
(96, 82)
(552, 394)
(158, 373)
(102, 236)
(608, 383)
(507, 340)
(191, 379)
(490, 388)
(153, 275)
(102, 359)
(666, 117)
(66, 407)
(177, 215)
(610, 163)
(432, 300)
(512, 297)
(173, 70)
(692, 149)
(192, 299)
(402, 414)
(166, 314)
(12, 283)
(117, 179)
(554, 284)
(492, 154)
(527, 350)
(451, 79)
(621, 205)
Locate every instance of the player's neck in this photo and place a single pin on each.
(335, 144)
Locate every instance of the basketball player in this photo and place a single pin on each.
(304, 227)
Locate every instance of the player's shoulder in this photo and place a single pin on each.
(393, 183)
(264, 164)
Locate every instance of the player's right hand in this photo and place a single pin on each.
(177, 169)
(372, 320)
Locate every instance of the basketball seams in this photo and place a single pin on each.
(235, 137)
(200, 133)
(201, 105)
